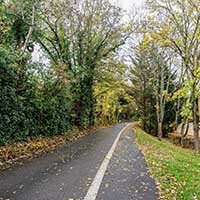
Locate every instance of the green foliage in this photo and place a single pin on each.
(49, 99)
(8, 99)
(149, 76)
(80, 41)
(43, 107)
(113, 102)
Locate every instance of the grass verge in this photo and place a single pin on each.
(176, 170)
(18, 152)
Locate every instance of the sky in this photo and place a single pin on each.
(128, 4)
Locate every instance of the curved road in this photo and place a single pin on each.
(106, 165)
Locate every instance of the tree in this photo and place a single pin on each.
(180, 32)
(79, 39)
(142, 91)
(153, 75)
(112, 98)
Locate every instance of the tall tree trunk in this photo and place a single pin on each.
(195, 112)
(187, 128)
(144, 106)
(184, 130)
(177, 115)
(84, 105)
(183, 126)
(91, 105)
(160, 132)
(144, 116)
(159, 119)
(21, 76)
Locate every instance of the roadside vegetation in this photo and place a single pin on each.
(176, 170)
(165, 71)
(59, 67)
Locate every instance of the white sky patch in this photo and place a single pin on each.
(38, 55)
(128, 4)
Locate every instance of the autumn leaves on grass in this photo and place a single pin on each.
(176, 170)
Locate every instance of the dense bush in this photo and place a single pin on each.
(42, 107)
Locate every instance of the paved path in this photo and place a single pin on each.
(104, 166)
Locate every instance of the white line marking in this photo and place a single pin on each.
(94, 188)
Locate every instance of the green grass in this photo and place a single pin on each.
(176, 170)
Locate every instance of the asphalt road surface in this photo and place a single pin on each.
(106, 165)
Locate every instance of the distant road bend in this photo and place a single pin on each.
(106, 165)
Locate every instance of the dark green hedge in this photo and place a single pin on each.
(42, 107)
